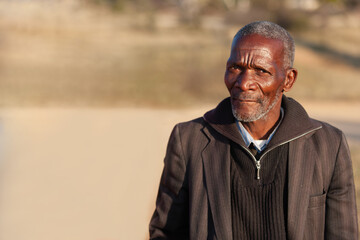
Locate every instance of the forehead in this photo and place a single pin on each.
(266, 48)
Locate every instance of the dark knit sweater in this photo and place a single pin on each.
(258, 206)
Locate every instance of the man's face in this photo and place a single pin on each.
(255, 77)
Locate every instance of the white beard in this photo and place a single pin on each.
(261, 112)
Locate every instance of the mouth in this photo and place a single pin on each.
(242, 97)
(246, 100)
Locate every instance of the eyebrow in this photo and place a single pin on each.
(254, 64)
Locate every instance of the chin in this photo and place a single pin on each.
(245, 116)
(244, 113)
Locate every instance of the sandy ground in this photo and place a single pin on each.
(79, 174)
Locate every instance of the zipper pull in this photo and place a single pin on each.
(258, 166)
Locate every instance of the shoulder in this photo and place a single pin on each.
(328, 139)
(298, 118)
(328, 130)
(195, 124)
(190, 131)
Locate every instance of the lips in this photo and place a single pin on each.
(242, 99)
(245, 97)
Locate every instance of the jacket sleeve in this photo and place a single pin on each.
(341, 214)
(170, 219)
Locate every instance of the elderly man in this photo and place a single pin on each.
(256, 166)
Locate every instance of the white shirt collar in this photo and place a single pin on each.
(260, 145)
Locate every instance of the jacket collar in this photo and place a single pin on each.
(296, 122)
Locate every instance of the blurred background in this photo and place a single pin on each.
(90, 90)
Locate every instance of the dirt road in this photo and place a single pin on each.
(81, 174)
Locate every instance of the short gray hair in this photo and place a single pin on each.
(273, 31)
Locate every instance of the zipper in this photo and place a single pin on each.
(258, 166)
(258, 163)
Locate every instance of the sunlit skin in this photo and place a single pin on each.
(256, 79)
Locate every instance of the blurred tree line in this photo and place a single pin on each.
(192, 7)
(288, 13)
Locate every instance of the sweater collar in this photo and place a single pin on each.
(296, 122)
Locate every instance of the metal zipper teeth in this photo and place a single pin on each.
(257, 162)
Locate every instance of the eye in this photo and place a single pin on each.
(261, 70)
(235, 67)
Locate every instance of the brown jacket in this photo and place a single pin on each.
(194, 195)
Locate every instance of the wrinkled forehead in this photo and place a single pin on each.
(259, 45)
(259, 54)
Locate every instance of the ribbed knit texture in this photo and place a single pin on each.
(258, 206)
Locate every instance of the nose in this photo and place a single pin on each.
(245, 81)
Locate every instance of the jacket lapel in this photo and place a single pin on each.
(216, 160)
(301, 168)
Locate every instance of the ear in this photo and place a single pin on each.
(290, 79)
